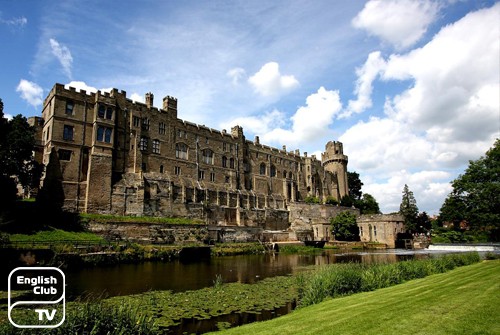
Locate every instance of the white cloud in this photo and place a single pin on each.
(63, 54)
(269, 82)
(236, 75)
(80, 85)
(258, 124)
(366, 75)
(30, 92)
(8, 116)
(16, 22)
(430, 188)
(399, 22)
(309, 122)
(449, 115)
(137, 97)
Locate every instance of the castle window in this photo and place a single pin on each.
(208, 156)
(212, 177)
(109, 113)
(375, 231)
(361, 231)
(231, 163)
(181, 151)
(156, 146)
(284, 174)
(290, 175)
(273, 171)
(224, 161)
(161, 168)
(145, 123)
(69, 107)
(262, 169)
(162, 128)
(68, 132)
(177, 170)
(224, 146)
(143, 144)
(104, 134)
(101, 111)
(64, 155)
(136, 121)
(105, 113)
(227, 180)
(201, 175)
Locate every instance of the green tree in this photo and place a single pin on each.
(17, 140)
(408, 208)
(344, 227)
(368, 205)
(475, 197)
(423, 223)
(355, 185)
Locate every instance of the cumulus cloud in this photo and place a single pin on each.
(449, 114)
(269, 82)
(260, 124)
(366, 75)
(30, 92)
(137, 97)
(63, 54)
(309, 122)
(81, 85)
(402, 23)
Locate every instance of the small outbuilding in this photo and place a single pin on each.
(382, 228)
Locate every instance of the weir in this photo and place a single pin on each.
(466, 247)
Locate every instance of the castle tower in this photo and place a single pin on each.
(334, 161)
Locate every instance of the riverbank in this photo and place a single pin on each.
(462, 301)
(230, 304)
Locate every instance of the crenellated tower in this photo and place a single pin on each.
(334, 161)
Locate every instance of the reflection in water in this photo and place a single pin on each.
(177, 276)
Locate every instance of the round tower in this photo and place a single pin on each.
(334, 161)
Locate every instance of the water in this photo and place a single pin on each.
(176, 276)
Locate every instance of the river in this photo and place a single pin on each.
(179, 276)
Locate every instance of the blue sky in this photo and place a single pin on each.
(410, 87)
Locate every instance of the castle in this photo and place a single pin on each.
(112, 155)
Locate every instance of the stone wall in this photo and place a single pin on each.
(382, 228)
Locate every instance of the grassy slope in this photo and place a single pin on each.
(463, 301)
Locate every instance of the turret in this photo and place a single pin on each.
(334, 161)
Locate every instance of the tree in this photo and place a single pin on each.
(344, 227)
(408, 208)
(475, 197)
(423, 223)
(17, 141)
(368, 205)
(355, 185)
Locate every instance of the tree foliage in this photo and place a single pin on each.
(408, 208)
(475, 197)
(355, 185)
(368, 205)
(17, 140)
(344, 227)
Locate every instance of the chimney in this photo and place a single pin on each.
(149, 99)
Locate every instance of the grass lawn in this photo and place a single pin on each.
(463, 301)
(55, 235)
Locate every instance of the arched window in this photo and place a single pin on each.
(290, 175)
(273, 171)
(161, 168)
(208, 156)
(263, 169)
(284, 174)
(231, 163)
(224, 161)
(181, 151)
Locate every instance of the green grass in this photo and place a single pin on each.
(463, 301)
(101, 218)
(55, 235)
